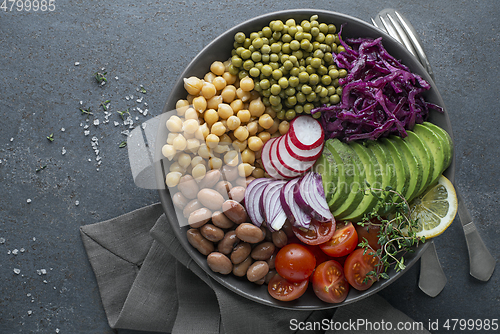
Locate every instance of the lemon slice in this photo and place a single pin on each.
(435, 209)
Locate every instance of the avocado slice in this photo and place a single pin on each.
(327, 167)
(412, 160)
(425, 158)
(436, 149)
(388, 174)
(356, 168)
(446, 139)
(334, 200)
(375, 180)
(401, 168)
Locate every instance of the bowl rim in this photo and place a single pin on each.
(165, 198)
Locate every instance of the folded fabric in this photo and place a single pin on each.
(148, 282)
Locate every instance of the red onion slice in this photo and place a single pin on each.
(311, 196)
(272, 205)
(295, 214)
(253, 194)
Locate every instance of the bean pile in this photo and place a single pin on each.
(221, 230)
(291, 65)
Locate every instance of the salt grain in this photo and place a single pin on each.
(28, 200)
(15, 251)
(63, 152)
(86, 126)
(96, 122)
(2, 240)
(77, 63)
(17, 271)
(116, 123)
(77, 203)
(30, 312)
(11, 139)
(63, 129)
(143, 125)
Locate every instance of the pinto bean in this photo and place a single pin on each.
(263, 251)
(220, 220)
(235, 211)
(241, 268)
(249, 233)
(229, 173)
(199, 217)
(223, 188)
(196, 240)
(210, 198)
(257, 270)
(237, 194)
(226, 245)
(219, 263)
(270, 275)
(180, 201)
(280, 239)
(210, 179)
(240, 252)
(193, 205)
(188, 186)
(212, 233)
(287, 228)
(271, 259)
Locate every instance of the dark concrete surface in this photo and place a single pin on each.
(149, 43)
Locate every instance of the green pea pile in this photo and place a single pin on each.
(291, 64)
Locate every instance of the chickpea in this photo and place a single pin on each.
(246, 84)
(200, 104)
(272, 130)
(179, 143)
(209, 77)
(202, 132)
(190, 98)
(168, 151)
(215, 163)
(193, 85)
(199, 172)
(217, 68)
(192, 145)
(237, 105)
(225, 111)
(208, 90)
(184, 160)
(197, 160)
(242, 94)
(212, 140)
(225, 139)
(241, 133)
(240, 145)
(255, 143)
(218, 129)
(244, 115)
(175, 167)
(245, 169)
(172, 179)
(174, 124)
(171, 136)
(204, 151)
(219, 83)
(211, 116)
(182, 106)
(256, 107)
(214, 102)
(228, 94)
(258, 173)
(248, 156)
(233, 122)
(231, 158)
(230, 79)
(190, 126)
(283, 127)
(266, 121)
(191, 114)
(253, 127)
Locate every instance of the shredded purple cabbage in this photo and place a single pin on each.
(380, 96)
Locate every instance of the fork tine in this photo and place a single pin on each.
(390, 30)
(403, 35)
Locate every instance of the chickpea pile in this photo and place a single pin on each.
(222, 121)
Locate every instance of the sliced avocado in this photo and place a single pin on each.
(374, 180)
(401, 168)
(356, 168)
(386, 168)
(446, 138)
(425, 158)
(435, 145)
(327, 167)
(343, 180)
(412, 161)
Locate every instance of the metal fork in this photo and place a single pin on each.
(432, 278)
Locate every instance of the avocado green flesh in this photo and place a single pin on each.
(425, 157)
(401, 168)
(355, 194)
(369, 200)
(436, 149)
(412, 160)
(327, 167)
(445, 139)
(344, 180)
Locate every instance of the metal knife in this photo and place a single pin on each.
(482, 263)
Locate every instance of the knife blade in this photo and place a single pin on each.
(481, 262)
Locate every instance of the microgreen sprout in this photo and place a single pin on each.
(100, 77)
(50, 137)
(104, 104)
(122, 113)
(123, 144)
(86, 111)
(40, 168)
(142, 89)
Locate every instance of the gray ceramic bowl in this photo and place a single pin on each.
(220, 49)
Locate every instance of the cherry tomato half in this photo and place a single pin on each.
(281, 289)
(317, 233)
(295, 262)
(357, 265)
(344, 240)
(370, 233)
(329, 282)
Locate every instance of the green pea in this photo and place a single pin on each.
(308, 60)
(265, 100)
(233, 69)
(283, 82)
(256, 56)
(328, 58)
(322, 70)
(292, 100)
(311, 97)
(275, 47)
(316, 62)
(290, 22)
(290, 91)
(286, 38)
(265, 49)
(303, 77)
(265, 58)
(326, 80)
(239, 37)
(267, 32)
(315, 31)
(329, 39)
(334, 99)
(293, 81)
(246, 54)
(321, 37)
(308, 107)
(247, 43)
(313, 79)
(274, 100)
(259, 65)
(276, 35)
(342, 73)
(257, 87)
(277, 74)
(317, 115)
(233, 53)
(248, 64)
(340, 48)
(275, 89)
(339, 90)
(257, 43)
(332, 29)
(292, 30)
(277, 26)
(242, 74)
(290, 114)
(236, 61)
(323, 27)
(299, 109)
(294, 45)
(317, 89)
(266, 93)
(267, 70)
(287, 105)
(306, 25)
(265, 84)
(299, 36)
(293, 59)
(301, 97)
(239, 50)
(323, 100)
(310, 69)
(308, 36)
(336, 82)
(285, 48)
(324, 92)
(305, 44)
(334, 48)
(299, 54)
(334, 73)
(280, 114)
(274, 65)
(254, 72)
(306, 89)
(288, 65)
(318, 53)
(277, 107)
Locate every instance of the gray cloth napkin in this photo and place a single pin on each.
(149, 283)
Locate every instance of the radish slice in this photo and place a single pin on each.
(295, 165)
(303, 155)
(295, 214)
(306, 132)
(273, 211)
(253, 194)
(266, 160)
(277, 162)
(311, 196)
